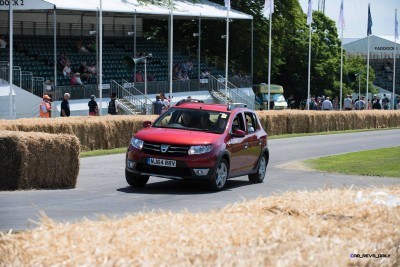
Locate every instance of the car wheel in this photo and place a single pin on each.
(136, 180)
(258, 177)
(220, 176)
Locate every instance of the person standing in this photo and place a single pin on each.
(377, 104)
(93, 107)
(113, 105)
(65, 110)
(45, 107)
(360, 104)
(348, 103)
(164, 101)
(327, 104)
(157, 106)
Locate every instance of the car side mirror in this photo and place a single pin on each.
(146, 124)
(239, 133)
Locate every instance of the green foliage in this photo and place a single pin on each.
(290, 39)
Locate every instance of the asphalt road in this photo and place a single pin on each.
(102, 188)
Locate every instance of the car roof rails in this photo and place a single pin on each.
(232, 106)
(189, 100)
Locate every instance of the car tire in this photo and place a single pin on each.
(258, 177)
(136, 180)
(220, 176)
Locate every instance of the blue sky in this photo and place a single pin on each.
(356, 15)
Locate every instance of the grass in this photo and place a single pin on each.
(102, 152)
(326, 133)
(378, 162)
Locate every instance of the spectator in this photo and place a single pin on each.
(45, 107)
(206, 123)
(93, 107)
(327, 104)
(76, 79)
(3, 43)
(65, 110)
(151, 77)
(360, 104)
(157, 106)
(113, 104)
(385, 102)
(376, 104)
(67, 71)
(80, 48)
(335, 103)
(62, 60)
(84, 71)
(49, 86)
(92, 46)
(139, 76)
(176, 74)
(398, 103)
(347, 103)
(92, 69)
(164, 101)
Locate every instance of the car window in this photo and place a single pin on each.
(193, 119)
(251, 122)
(237, 123)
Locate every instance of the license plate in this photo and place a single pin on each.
(162, 162)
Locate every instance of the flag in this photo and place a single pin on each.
(228, 4)
(396, 26)
(268, 8)
(309, 13)
(341, 17)
(369, 30)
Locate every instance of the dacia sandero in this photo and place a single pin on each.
(197, 141)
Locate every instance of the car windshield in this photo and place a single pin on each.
(274, 97)
(193, 119)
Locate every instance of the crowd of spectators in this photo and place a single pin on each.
(182, 71)
(86, 73)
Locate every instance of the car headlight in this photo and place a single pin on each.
(137, 143)
(199, 149)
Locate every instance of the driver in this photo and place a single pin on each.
(186, 118)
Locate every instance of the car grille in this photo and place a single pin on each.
(155, 149)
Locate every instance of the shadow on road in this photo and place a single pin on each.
(181, 187)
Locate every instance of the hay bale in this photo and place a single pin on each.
(38, 160)
(296, 228)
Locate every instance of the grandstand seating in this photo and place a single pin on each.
(383, 79)
(35, 54)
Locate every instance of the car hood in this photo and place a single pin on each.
(176, 136)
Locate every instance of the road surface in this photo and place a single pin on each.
(102, 188)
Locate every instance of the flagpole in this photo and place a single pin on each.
(394, 58)
(369, 34)
(226, 56)
(11, 50)
(309, 71)
(341, 72)
(100, 47)
(269, 60)
(341, 24)
(171, 48)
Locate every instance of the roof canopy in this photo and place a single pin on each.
(182, 8)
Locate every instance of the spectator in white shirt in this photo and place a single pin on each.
(327, 104)
(67, 70)
(3, 42)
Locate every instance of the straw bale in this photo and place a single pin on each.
(38, 160)
(109, 132)
(320, 228)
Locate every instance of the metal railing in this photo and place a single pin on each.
(233, 93)
(134, 96)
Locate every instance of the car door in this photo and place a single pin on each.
(253, 140)
(237, 146)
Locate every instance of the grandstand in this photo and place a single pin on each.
(43, 28)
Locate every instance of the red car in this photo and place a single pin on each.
(198, 141)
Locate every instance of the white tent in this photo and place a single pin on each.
(182, 8)
(380, 47)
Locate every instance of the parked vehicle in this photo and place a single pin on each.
(197, 141)
(276, 93)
